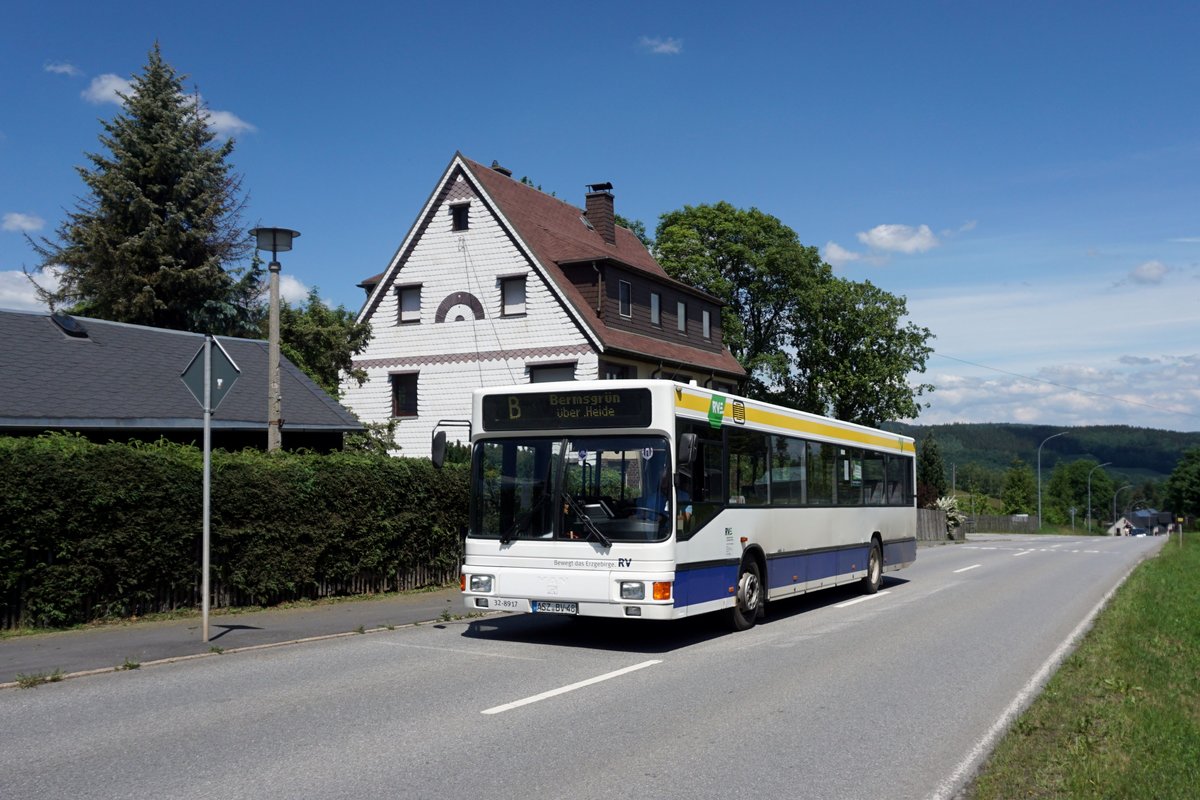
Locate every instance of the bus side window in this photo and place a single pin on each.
(703, 481)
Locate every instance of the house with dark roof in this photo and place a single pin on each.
(499, 283)
(114, 381)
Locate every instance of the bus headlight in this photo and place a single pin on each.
(481, 583)
(633, 590)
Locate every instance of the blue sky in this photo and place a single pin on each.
(1027, 175)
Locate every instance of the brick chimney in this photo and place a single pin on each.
(599, 211)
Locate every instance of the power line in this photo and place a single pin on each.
(1068, 388)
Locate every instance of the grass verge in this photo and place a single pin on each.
(1121, 718)
(194, 613)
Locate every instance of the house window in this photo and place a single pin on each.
(459, 216)
(626, 292)
(410, 303)
(655, 308)
(404, 394)
(616, 372)
(706, 322)
(512, 296)
(681, 316)
(551, 372)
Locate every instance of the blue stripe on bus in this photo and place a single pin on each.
(803, 567)
(714, 581)
(901, 552)
(703, 584)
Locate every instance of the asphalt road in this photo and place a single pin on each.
(834, 696)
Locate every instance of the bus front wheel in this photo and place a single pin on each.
(747, 603)
(874, 577)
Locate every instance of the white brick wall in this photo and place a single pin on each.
(444, 261)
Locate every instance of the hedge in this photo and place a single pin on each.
(90, 531)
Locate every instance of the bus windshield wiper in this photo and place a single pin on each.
(522, 521)
(586, 520)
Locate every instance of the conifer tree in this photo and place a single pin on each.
(931, 472)
(157, 238)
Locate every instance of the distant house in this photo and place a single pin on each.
(499, 283)
(113, 381)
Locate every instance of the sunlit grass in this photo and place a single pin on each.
(1121, 718)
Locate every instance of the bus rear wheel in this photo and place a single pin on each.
(874, 577)
(748, 601)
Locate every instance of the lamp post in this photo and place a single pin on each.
(1039, 460)
(1117, 492)
(1090, 471)
(277, 240)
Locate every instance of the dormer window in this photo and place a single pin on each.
(681, 316)
(459, 216)
(706, 323)
(655, 308)
(626, 298)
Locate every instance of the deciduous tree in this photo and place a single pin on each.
(808, 339)
(322, 341)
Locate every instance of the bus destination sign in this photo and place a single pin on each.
(613, 408)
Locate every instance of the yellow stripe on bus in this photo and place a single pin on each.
(691, 401)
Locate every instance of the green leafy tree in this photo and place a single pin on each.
(853, 356)
(807, 340)
(1019, 495)
(1068, 488)
(931, 472)
(155, 240)
(321, 340)
(1183, 486)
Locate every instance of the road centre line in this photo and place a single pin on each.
(968, 569)
(564, 689)
(863, 599)
(1022, 553)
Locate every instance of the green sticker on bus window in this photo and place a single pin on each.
(716, 410)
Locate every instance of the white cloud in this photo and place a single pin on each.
(16, 292)
(899, 238)
(104, 89)
(836, 255)
(1060, 353)
(660, 46)
(63, 68)
(22, 222)
(292, 290)
(1150, 272)
(226, 124)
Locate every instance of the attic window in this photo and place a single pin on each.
(626, 299)
(69, 325)
(459, 216)
(587, 224)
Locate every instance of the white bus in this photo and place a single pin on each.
(659, 500)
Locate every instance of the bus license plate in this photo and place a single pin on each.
(544, 607)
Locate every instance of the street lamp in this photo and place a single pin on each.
(1090, 471)
(1048, 438)
(1117, 492)
(277, 240)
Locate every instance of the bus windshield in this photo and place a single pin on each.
(603, 488)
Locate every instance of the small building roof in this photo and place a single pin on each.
(127, 378)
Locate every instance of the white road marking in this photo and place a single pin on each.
(968, 569)
(863, 599)
(1022, 553)
(564, 689)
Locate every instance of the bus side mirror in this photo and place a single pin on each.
(687, 450)
(438, 449)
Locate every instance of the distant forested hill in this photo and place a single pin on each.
(1137, 453)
